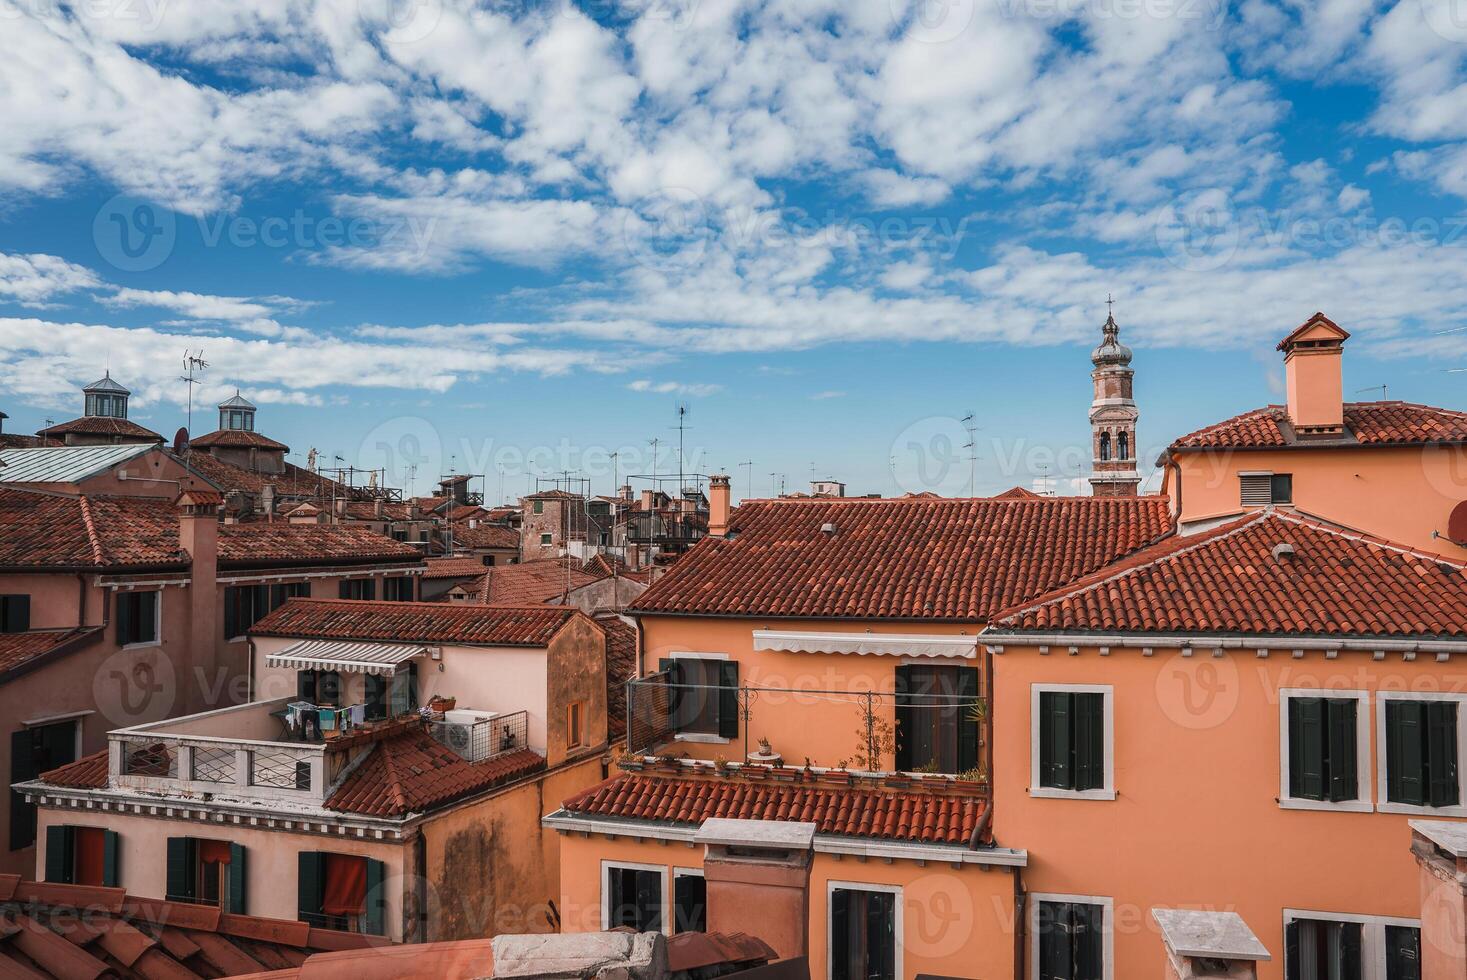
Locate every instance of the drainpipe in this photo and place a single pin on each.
(81, 600)
(1021, 921)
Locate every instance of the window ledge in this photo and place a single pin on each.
(701, 738)
(1344, 806)
(1422, 811)
(1048, 793)
(146, 644)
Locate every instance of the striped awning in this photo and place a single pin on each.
(354, 657)
(885, 644)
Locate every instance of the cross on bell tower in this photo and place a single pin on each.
(1113, 415)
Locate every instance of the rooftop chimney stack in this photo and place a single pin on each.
(1440, 849)
(718, 505)
(1312, 358)
(198, 534)
(1212, 945)
(758, 880)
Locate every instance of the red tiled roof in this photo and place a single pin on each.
(416, 622)
(99, 425)
(465, 512)
(909, 558)
(255, 544)
(237, 439)
(410, 772)
(487, 536)
(14, 440)
(88, 772)
(621, 666)
(1019, 493)
(50, 930)
(1390, 423)
(454, 568)
(533, 583)
(295, 482)
(946, 813)
(366, 510)
(1227, 580)
(17, 649)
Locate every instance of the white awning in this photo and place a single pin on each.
(361, 658)
(888, 644)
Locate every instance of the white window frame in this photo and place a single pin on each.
(157, 640)
(1382, 776)
(1364, 803)
(1106, 792)
(546, 539)
(1107, 927)
(1265, 473)
(898, 927)
(699, 738)
(1372, 937)
(661, 870)
(672, 895)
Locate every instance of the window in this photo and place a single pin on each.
(936, 728)
(246, 605)
(82, 856)
(865, 933)
(1325, 751)
(1422, 738)
(1071, 937)
(33, 751)
(1322, 946)
(207, 872)
(319, 686)
(341, 891)
(545, 540)
(359, 588)
(1072, 736)
(15, 613)
(398, 589)
(689, 901)
(703, 701)
(539, 507)
(137, 618)
(575, 734)
(1124, 446)
(1105, 446)
(1261, 489)
(632, 896)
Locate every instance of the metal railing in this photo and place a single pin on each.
(484, 738)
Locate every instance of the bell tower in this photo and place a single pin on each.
(1113, 415)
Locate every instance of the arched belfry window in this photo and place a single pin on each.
(1105, 446)
(1124, 446)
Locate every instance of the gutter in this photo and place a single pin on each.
(996, 641)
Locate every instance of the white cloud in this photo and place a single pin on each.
(674, 388)
(36, 280)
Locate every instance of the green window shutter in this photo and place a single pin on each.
(111, 856)
(238, 880)
(1088, 724)
(1404, 783)
(728, 699)
(906, 718)
(1403, 953)
(1343, 773)
(1293, 969)
(1056, 955)
(649, 901)
(675, 694)
(1441, 753)
(1306, 748)
(376, 696)
(310, 879)
(60, 854)
(124, 618)
(180, 869)
(967, 726)
(1055, 770)
(1087, 941)
(1351, 962)
(376, 897)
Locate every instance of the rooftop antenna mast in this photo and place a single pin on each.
(749, 480)
(1385, 391)
(682, 426)
(192, 363)
(970, 425)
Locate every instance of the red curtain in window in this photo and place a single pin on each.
(213, 852)
(345, 891)
(91, 850)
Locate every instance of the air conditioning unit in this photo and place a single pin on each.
(468, 716)
(466, 732)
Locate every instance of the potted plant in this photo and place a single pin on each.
(441, 702)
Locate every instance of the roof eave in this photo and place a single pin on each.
(1221, 640)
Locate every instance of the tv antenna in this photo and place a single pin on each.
(1383, 389)
(970, 425)
(682, 427)
(749, 479)
(192, 363)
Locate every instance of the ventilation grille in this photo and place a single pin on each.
(1257, 490)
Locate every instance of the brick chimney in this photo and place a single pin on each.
(758, 878)
(1440, 849)
(718, 505)
(1312, 359)
(198, 534)
(647, 499)
(378, 508)
(1214, 945)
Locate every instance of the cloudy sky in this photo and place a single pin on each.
(510, 237)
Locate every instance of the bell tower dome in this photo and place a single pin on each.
(1113, 416)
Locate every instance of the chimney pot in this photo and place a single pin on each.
(718, 505)
(1312, 370)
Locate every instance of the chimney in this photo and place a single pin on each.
(646, 499)
(718, 505)
(625, 493)
(1440, 849)
(267, 499)
(1212, 945)
(1312, 356)
(198, 534)
(758, 879)
(340, 509)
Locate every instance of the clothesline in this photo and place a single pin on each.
(314, 719)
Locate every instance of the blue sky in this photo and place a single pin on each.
(510, 237)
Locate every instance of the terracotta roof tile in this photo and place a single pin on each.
(296, 482)
(1389, 423)
(910, 558)
(416, 622)
(621, 666)
(1227, 580)
(88, 772)
(410, 772)
(531, 583)
(99, 425)
(454, 567)
(237, 439)
(939, 812)
(487, 536)
(254, 544)
(17, 649)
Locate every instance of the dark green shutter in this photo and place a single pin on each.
(840, 934)
(111, 856)
(967, 726)
(675, 694)
(60, 854)
(328, 687)
(1441, 753)
(238, 878)
(375, 686)
(1404, 783)
(376, 897)
(180, 868)
(1306, 748)
(412, 672)
(1342, 769)
(1055, 771)
(649, 901)
(231, 612)
(305, 685)
(15, 613)
(1293, 969)
(1087, 941)
(22, 769)
(1056, 954)
(728, 699)
(906, 718)
(1351, 962)
(310, 879)
(1089, 734)
(124, 618)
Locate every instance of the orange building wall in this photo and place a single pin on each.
(956, 923)
(1399, 494)
(1197, 770)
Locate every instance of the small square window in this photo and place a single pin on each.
(545, 540)
(1324, 750)
(632, 898)
(137, 618)
(1072, 735)
(1263, 489)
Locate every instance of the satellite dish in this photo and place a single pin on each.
(1457, 523)
(180, 440)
